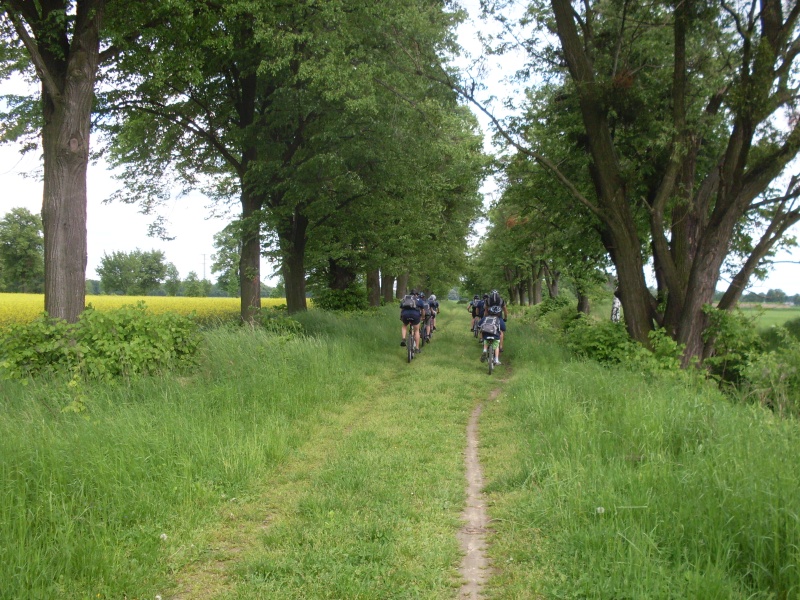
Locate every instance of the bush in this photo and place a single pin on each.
(608, 342)
(773, 378)
(101, 345)
(350, 299)
(735, 339)
(773, 337)
(276, 320)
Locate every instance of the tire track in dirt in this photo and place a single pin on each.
(475, 567)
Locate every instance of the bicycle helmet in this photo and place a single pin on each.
(476, 297)
(432, 298)
(495, 310)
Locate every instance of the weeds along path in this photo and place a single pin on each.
(371, 507)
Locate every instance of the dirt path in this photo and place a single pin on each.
(475, 567)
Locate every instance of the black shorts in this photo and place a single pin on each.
(410, 317)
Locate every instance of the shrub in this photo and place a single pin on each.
(102, 345)
(608, 342)
(773, 377)
(276, 320)
(735, 338)
(352, 298)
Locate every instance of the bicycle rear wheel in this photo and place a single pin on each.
(410, 343)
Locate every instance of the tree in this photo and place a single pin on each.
(195, 287)
(172, 280)
(133, 274)
(227, 258)
(62, 41)
(267, 101)
(683, 161)
(21, 251)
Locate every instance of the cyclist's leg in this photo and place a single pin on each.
(415, 329)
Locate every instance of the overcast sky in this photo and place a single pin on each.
(116, 227)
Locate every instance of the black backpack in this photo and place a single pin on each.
(408, 301)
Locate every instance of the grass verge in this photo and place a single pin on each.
(604, 485)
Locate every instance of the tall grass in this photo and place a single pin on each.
(609, 486)
(92, 501)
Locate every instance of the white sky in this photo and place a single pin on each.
(121, 228)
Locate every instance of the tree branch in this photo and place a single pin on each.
(48, 81)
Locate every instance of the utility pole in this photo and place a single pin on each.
(204, 267)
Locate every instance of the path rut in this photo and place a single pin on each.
(475, 566)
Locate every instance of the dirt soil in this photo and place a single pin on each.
(475, 567)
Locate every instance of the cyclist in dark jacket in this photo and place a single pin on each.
(411, 316)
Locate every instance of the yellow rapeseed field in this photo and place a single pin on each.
(23, 308)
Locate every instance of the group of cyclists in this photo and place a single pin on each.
(417, 309)
(489, 316)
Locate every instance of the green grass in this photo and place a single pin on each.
(607, 486)
(85, 497)
(768, 316)
(325, 466)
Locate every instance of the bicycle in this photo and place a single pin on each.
(492, 343)
(411, 343)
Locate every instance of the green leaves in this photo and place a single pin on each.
(101, 345)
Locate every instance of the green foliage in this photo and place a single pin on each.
(603, 483)
(101, 345)
(277, 321)
(735, 339)
(775, 336)
(194, 287)
(773, 377)
(354, 298)
(21, 252)
(136, 273)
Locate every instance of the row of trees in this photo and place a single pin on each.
(318, 118)
(655, 134)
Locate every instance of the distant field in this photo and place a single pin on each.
(771, 315)
(768, 314)
(23, 308)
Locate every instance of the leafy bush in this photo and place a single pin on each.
(352, 298)
(102, 345)
(608, 342)
(773, 377)
(735, 338)
(774, 337)
(276, 320)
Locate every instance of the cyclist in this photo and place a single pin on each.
(494, 299)
(473, 309)
(411, 310)
(494, 319)
(426, 317)
(434, 304)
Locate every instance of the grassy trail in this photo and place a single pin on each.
(370, 507)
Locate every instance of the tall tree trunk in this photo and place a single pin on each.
(387, 287)
(402, 285)
(537, 285)
(340, 275)
(374, 287)
(250, 258)
(68, 77)
(292, 242)
(583, 303)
